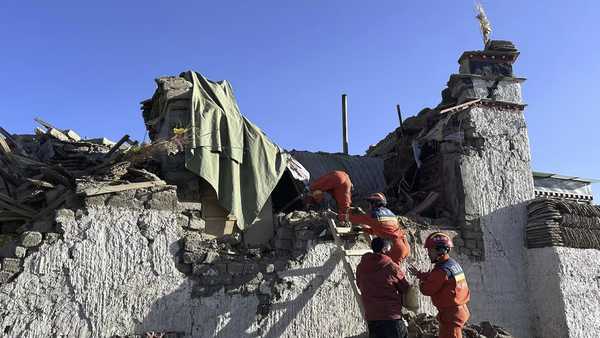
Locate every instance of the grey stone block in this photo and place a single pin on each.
(163, 200)
(20, 252)
(6, 276)
(192, 242)
(51, 237)
(193, 257)
(183, 221)
(11, 264)
(270, 268)
(126, 199)
(197, 223)
(31, 239)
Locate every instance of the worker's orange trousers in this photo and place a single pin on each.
(452, 320)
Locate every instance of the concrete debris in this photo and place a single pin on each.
(426, 326)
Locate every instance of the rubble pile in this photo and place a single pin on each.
(40, 173)
(426, 326)
(297, 231)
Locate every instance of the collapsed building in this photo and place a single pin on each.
(200, 233)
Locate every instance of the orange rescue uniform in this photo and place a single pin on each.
(447, 286)
(337, 184)
(383, 223)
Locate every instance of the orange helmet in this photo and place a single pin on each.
(377, 198)
(438, 240)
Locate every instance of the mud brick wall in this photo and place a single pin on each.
(138, 261)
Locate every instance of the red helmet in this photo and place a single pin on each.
(377, 198)
(438, 240)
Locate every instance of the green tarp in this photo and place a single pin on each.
(227, 150)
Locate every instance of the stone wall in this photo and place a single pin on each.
(495, 182)
(118, 269)
(564, 291)
(472, 152)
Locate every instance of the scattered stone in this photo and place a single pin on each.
(270, 268)
(193, 257)
(426, 326)
(31, 239)
(192, 242)
(6, 276)
(11, 264)
(51, 237)
(211, 257)
(183, 221)
(197, 224)
(20, 252)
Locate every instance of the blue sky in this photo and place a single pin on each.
(86, 65)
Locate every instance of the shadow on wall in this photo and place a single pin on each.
(237, 316)
(498, 284)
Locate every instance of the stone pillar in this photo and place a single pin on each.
(487, 181)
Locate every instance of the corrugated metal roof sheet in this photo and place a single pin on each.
(365, 172)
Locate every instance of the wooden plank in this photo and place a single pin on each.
(44, 123)
(356, 252)
(109, 189)
(9, 200)
(9, 137)
(460, 106)
(4, 148)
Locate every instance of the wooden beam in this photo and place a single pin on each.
(356, 252)
(44, 123)
(9, 200)
(116, 146)
(460, 106)
(4, 148)
(109, 189)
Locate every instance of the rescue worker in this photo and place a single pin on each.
(338, 185)
(381, 221)
(446, 285)
(382, 284)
